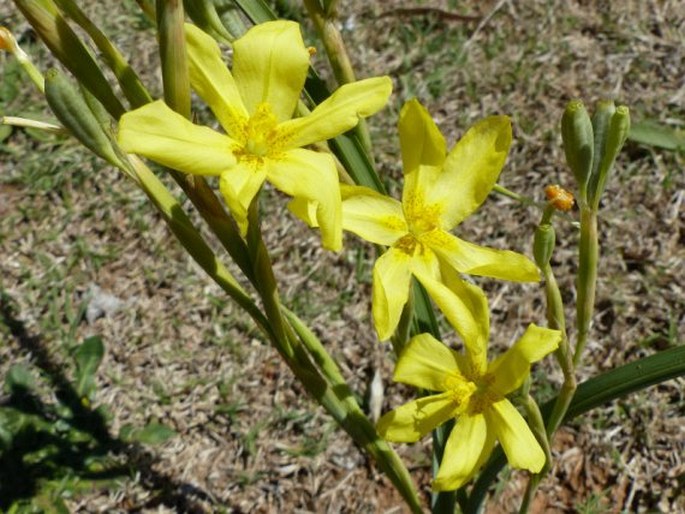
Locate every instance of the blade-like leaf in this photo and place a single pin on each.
(66, 46)
(655, 134)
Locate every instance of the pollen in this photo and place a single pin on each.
(408, 244)
(484, 397)
(259, 137)
(460, 389)
(421, 217)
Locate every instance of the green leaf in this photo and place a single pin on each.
(593, 393)
(257, 10)
(655, 134)
(152, 433)
(66, 46)
(5, 132)
(18, 377)
(88, 357)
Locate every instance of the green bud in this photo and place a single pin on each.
(66, 46)
(73, 111)
(577, 135)
(204, 15)
(543, 244)
(615, 137)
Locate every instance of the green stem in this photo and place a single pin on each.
(537, 425)
(192, 241)
(34, 74)
(355, 422)
(556, 320)
(266, 281)
(66, 46)
(325, 23)
(588, 250)
(330, 390)
(174, 59)
(129, 81)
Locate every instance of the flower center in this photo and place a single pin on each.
(259, 136)
(484, 397)
(420, 216)
(460, 389)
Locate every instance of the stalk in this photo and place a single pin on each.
(130, 83)
(172, 50)
(355, 422)
(325, 23)
(588, 254)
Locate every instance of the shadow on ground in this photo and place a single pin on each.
(49, 448)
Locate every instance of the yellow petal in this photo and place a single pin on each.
(425, 363)
(518, 442)
(465, 307)
(413, 420)
(473, 259)
(212, 81)
(472, 168)
(339, 112)
(239, 186)
(512, 367)
(467, 448)
(312, 176)
(305, 210)
(391, 281)
(420, 139)
(372, 216)
(270, 65)
(423, 150)
(157, 132)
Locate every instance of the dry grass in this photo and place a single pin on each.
(249, 439)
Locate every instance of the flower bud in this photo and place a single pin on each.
(73, 111)
(543, 244)
(7, 41)
(615, 136)
(578, 138)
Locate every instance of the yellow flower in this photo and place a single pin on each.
(473, 391)
(254, 103)
(440, 190)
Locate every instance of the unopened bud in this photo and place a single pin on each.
(543, 244)
(7, 41)
(615, 137)
(73, 111)
(577, 135)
